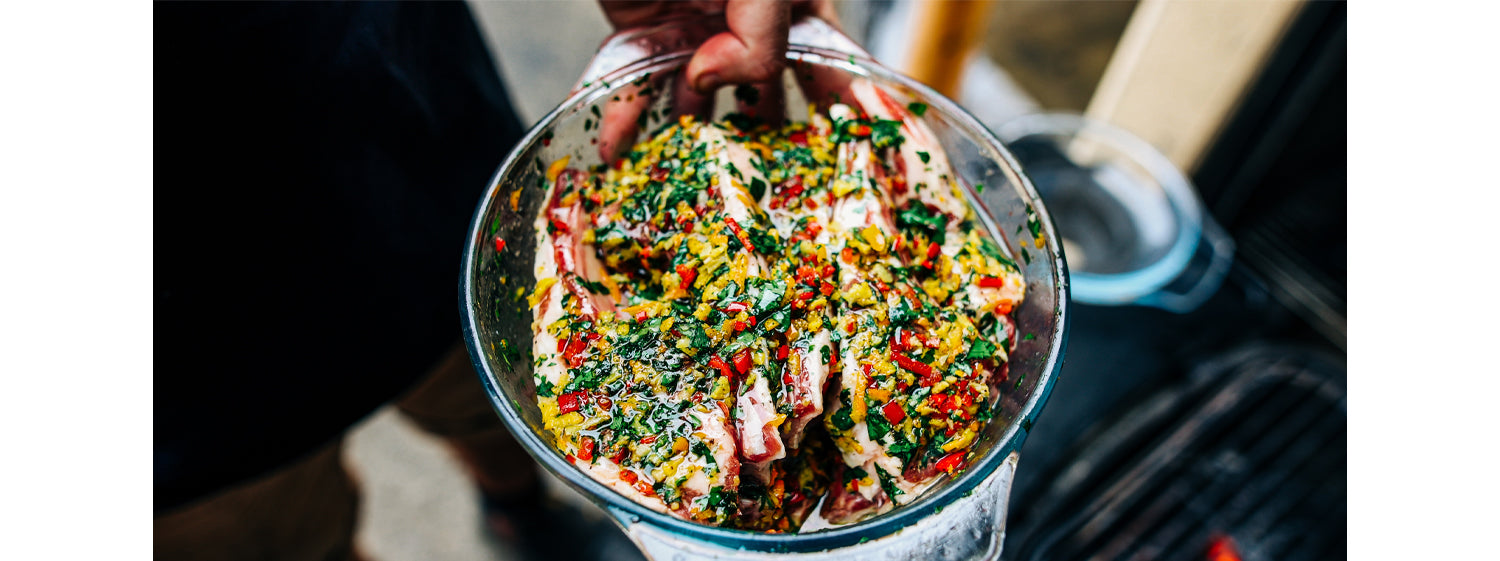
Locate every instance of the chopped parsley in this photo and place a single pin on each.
(917, 217)
(981, 349)
(709, 302)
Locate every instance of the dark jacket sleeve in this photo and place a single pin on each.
(316, 166)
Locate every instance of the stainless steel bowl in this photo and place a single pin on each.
(960, 518)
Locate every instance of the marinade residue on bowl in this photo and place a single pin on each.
(739, 321)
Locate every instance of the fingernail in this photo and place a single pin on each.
(707, 83)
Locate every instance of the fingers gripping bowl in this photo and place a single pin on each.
(499, 274)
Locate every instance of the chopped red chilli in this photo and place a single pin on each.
(736, 322)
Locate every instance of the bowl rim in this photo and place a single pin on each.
(1129, 286)
(627, 511)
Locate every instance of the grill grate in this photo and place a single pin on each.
(1256, 454)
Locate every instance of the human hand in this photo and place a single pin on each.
(751, 51)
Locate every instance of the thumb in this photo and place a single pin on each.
(753, 50)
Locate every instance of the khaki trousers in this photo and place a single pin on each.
(308, 510)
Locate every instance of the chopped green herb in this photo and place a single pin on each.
(841, 419)
(917, 216)
(886, 134)
(877, 426)
(702, 450)
(702, 311)
(717, 497)
(902, 448)
(857, 473)
(981, 349)
(757, 188)
(765, 240)
(592, 286)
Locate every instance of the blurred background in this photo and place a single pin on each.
(1247, 100)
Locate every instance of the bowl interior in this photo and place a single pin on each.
(495, 286)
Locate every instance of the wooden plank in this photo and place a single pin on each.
(1182, 67)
